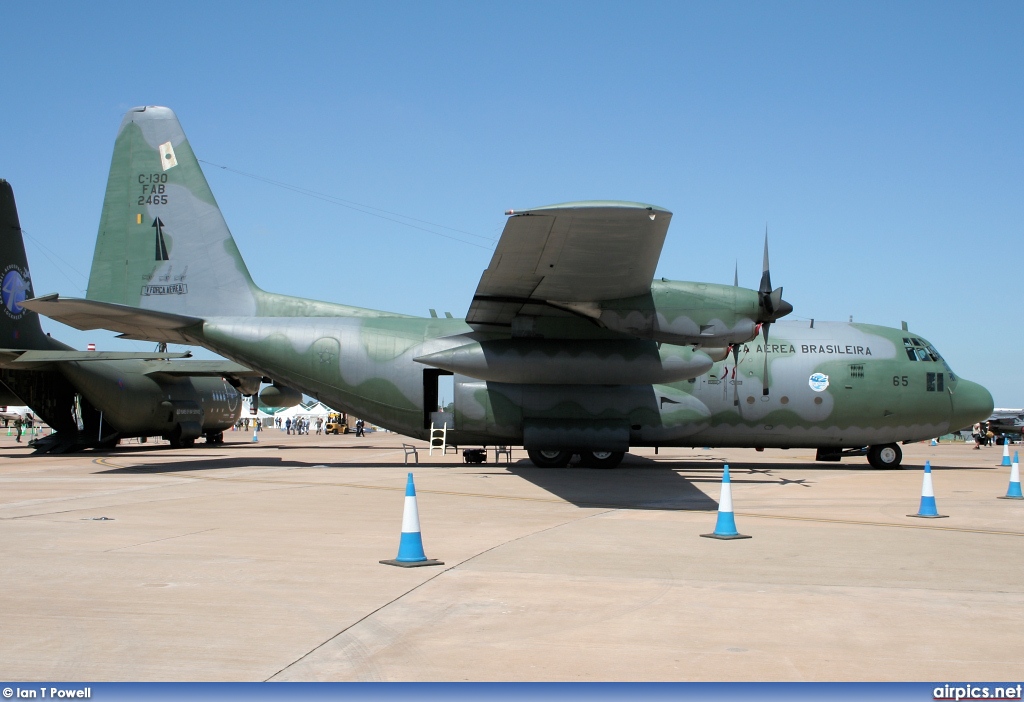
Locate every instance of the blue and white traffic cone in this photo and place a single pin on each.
(934, 443)
(725, 527)
(255, 436)
(1013, 492)
(410, 548)
(1006, 454)
(927, 509)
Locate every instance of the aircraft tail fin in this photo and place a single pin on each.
(19, 327)
(163, 243)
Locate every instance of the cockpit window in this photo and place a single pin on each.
(918, 350)
(910, 349)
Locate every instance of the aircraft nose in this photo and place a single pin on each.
(971, 403)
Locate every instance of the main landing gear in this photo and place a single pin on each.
(551, 458)
(883, 456)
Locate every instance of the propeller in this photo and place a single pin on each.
(773, 307)
(735, 348)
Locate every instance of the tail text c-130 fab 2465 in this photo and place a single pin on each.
(569, 346)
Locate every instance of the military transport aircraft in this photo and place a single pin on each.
(569, 347)
(95, 398)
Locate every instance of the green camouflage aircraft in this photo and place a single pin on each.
(569, 347)
(95, 398)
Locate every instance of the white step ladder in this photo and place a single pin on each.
(439, 422)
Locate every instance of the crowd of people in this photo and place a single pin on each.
(295, 425)
(301, 425)
(983, 435)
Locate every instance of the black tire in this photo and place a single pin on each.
(885, 456)
(549, 458)
(110, 444)
(601, 459)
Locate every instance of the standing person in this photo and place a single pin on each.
(359, 427)
(319, 425)
(288, 426)
(976, 431)
(17, 428)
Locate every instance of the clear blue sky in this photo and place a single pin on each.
(881, 142)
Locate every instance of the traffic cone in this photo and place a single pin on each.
(1006, 453)
(934, 443)
(725, 527)
(255, 436)
(927, 509)
(410, 548)
(1013, 492)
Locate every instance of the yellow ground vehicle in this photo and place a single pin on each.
(337, 423)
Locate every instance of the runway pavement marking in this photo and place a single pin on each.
(592, 505)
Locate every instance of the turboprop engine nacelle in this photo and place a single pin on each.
(681, 312)
(280, 396)
(555, 361)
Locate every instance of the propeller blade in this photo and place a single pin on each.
(736, 366)
(766, 275)
(764, 329)
(736, 276)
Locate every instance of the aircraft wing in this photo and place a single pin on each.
(131, 322)
(561, 257)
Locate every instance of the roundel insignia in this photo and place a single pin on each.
(818, 382)
(14, 289)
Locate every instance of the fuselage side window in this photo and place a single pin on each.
(930, 382)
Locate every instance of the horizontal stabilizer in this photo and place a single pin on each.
(19, 359)
(149, 325)
(211, 369)
(60, 356)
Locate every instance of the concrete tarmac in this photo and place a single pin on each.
(260, 562)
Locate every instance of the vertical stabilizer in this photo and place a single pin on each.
(19, 327)
(163, 243)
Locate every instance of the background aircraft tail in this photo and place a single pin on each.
(163, 243)
(19, 327)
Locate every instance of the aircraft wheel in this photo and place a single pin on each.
(885, 456)
(601, 459)
(549, 458)
(177, 442)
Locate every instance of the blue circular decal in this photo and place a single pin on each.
(818, 382)
(13, 291)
